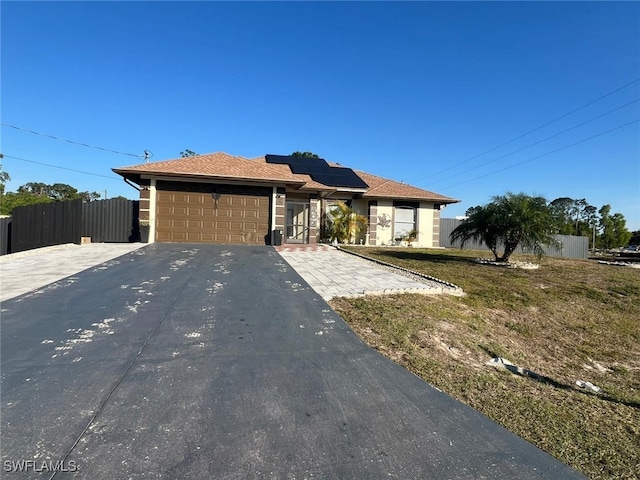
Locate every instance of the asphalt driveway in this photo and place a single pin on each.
(205, 361)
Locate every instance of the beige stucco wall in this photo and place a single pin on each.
(424, 226)
(384, 235)
(361, 207)
(424, 222)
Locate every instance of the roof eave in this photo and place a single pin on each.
(361, 191)
(441, 201)
(132, 174)
(315, 188)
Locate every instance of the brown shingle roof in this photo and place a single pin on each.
(385, 188)
(223, 165)
(217, 164)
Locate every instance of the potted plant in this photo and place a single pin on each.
(411, 236)
(144, 230)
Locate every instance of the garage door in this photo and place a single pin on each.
(198, 217)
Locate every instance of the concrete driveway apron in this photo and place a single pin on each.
(204, 361)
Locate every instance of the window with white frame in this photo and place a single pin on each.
(404, 220)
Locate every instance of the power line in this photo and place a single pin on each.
(535, 129)
(536, 142)
(147, 154)
(546, 154)
(61, 168)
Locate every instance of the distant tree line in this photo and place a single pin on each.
(576, 217)
(519, 219)
(37, 192)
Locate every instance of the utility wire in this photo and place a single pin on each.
(61, 168)
(535, 129)
(546, 154)
(537, 142)
(144, 155)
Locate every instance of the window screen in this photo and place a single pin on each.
(405, 221)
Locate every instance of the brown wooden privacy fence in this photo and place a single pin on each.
(572, 246)
(56, 223)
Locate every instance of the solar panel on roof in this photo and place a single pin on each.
(320, 171)
(318, 168)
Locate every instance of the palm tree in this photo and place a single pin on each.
(344, 224)
(508, 221)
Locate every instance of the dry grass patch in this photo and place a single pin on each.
(570, 320)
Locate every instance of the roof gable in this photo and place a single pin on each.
(217, 164)
(386, 188)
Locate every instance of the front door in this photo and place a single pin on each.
(297, 228)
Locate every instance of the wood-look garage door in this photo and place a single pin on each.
(198, 217)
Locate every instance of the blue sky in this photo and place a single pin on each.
(414, 91)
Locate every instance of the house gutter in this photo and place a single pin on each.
(128, 182)
(326, 193)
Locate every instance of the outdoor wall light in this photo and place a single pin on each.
(216, 197)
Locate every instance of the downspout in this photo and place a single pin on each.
(126, 180)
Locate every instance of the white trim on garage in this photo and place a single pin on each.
(272, 224)
(152, 210)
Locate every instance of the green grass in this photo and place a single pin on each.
(570, 320)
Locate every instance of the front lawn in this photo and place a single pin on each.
(570, 320)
